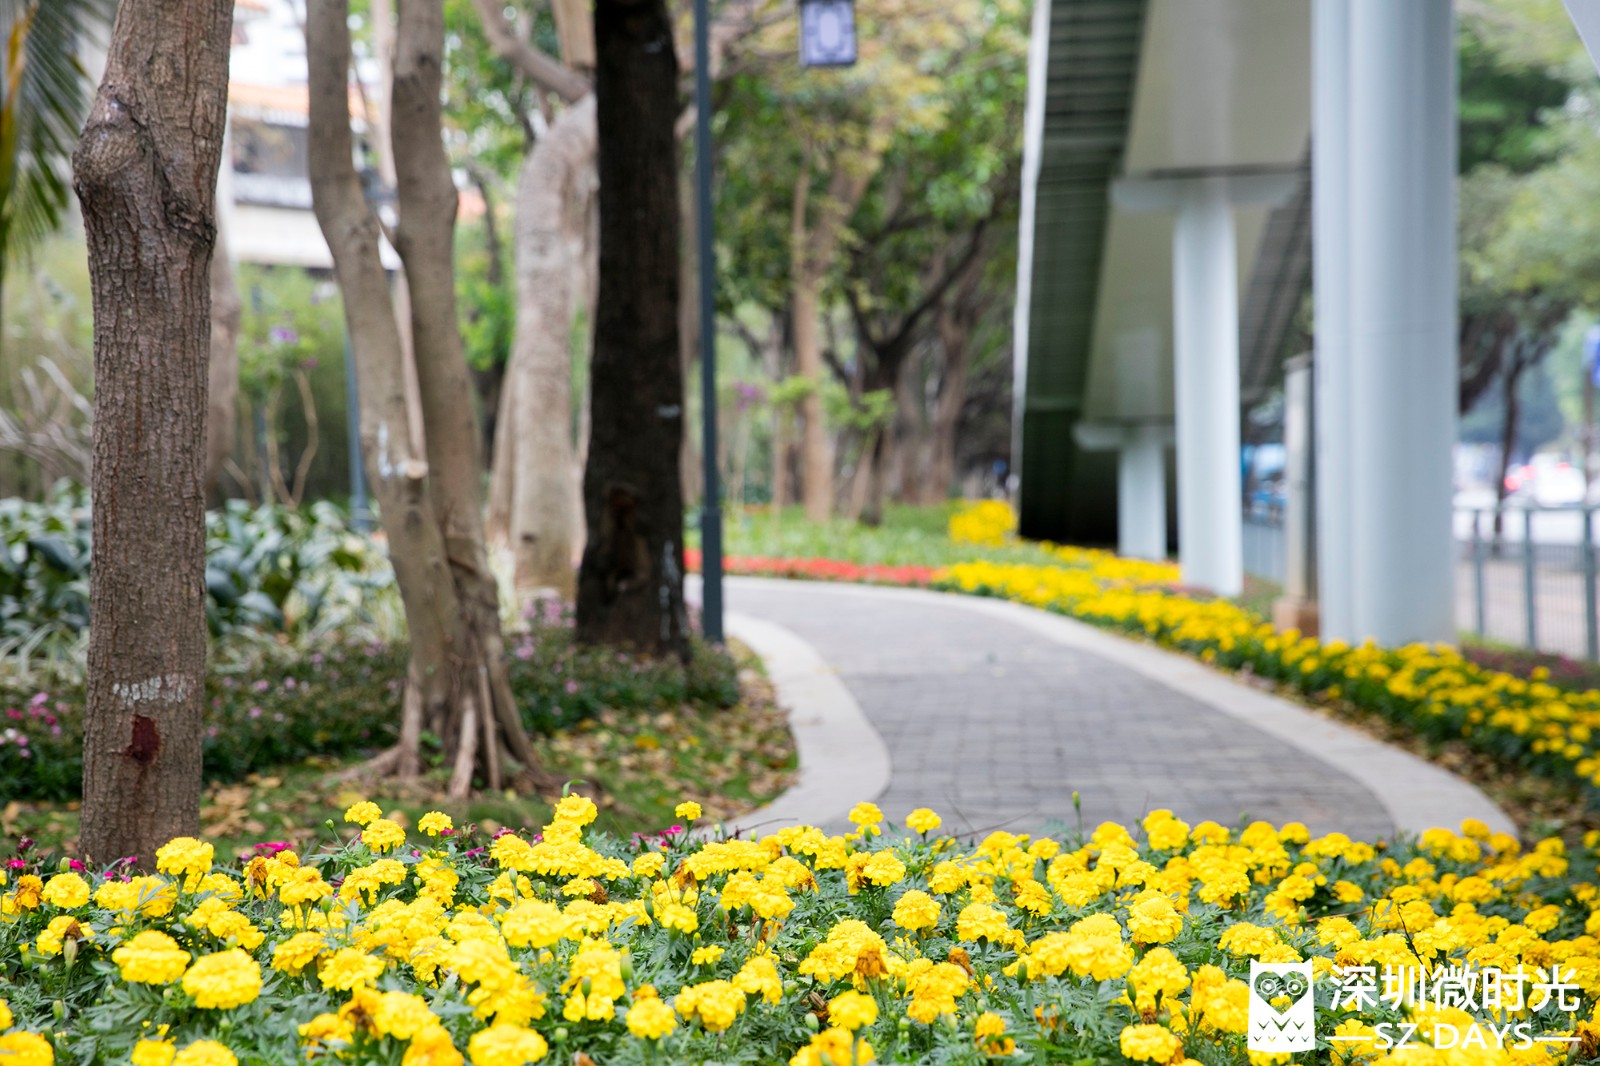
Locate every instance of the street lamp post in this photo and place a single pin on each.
(711, 508)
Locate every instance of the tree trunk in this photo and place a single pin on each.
(146, 175)
(630, 586)
(222, 381)
(450, 659)
(689, 330)
(816, 460)
(425, 239)
(1508, 435)
(397, 472)
(955, 326)
(532, 480)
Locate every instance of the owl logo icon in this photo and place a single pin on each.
(1283, 1013)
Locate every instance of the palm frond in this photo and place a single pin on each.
(46, 90)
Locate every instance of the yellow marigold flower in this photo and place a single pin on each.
(852, 1010)
(304, 885)
(506, 1045)
(924, 821)
(651, 1019)
(327, 1029)
(402, 1015)
(223, 980)
(67, 891)
(759, 976)
(382, 835)
(865, 814)
(154, 1053)
(1243, 938)
(27, 894)
(432, 1047)
(349, 968)
(435, 823)
(716, 1003)
(833, 1047)
(989, 1033)
(151, 958)
(677, 916)
(649, 864)
(26, 1049)
(1149, 1043)
(5, 1015)
(979, 921)
(298, 952)
(594, 982)
(1164, 831)
(576, 810)
(533, 923)
(1157, 976)
(840, 955)
(205, 1053)
(916, 910)
(185, 855)
(60, 930)
(1153, 920)
(363, 812)
(688, 810)
(706, 956)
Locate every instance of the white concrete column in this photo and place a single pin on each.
(1402, 340)
(1330, 214)
(1205, 284)
(1142, 493)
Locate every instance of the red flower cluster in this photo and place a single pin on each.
(817, 569)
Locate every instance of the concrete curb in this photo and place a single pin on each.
(1416, 794)
(843, 760)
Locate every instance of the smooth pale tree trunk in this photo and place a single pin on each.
(689, 471)
(955, 323)
(531, 488)
(630, 586)
(396, 470)
(457, 664)
(816, 457)
(146, 176)
(482, 726)
(222, 374)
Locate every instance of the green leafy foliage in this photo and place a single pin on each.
(341, 697)
(270, 572)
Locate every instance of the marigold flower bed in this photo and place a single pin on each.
(796, 947)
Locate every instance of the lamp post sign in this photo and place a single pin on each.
(827, 33)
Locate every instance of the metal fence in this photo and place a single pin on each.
(1265, 554)
(1528, 579)
(1526, 576)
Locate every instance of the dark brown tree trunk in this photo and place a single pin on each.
(146, 175)
(630, 586)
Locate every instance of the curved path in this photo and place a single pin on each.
(995, 715)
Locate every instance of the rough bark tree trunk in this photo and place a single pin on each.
(222, 374)
(146, 176)
(630, 586)
(425, 239)
(532, 481)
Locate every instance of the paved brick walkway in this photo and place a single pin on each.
(995, 726)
